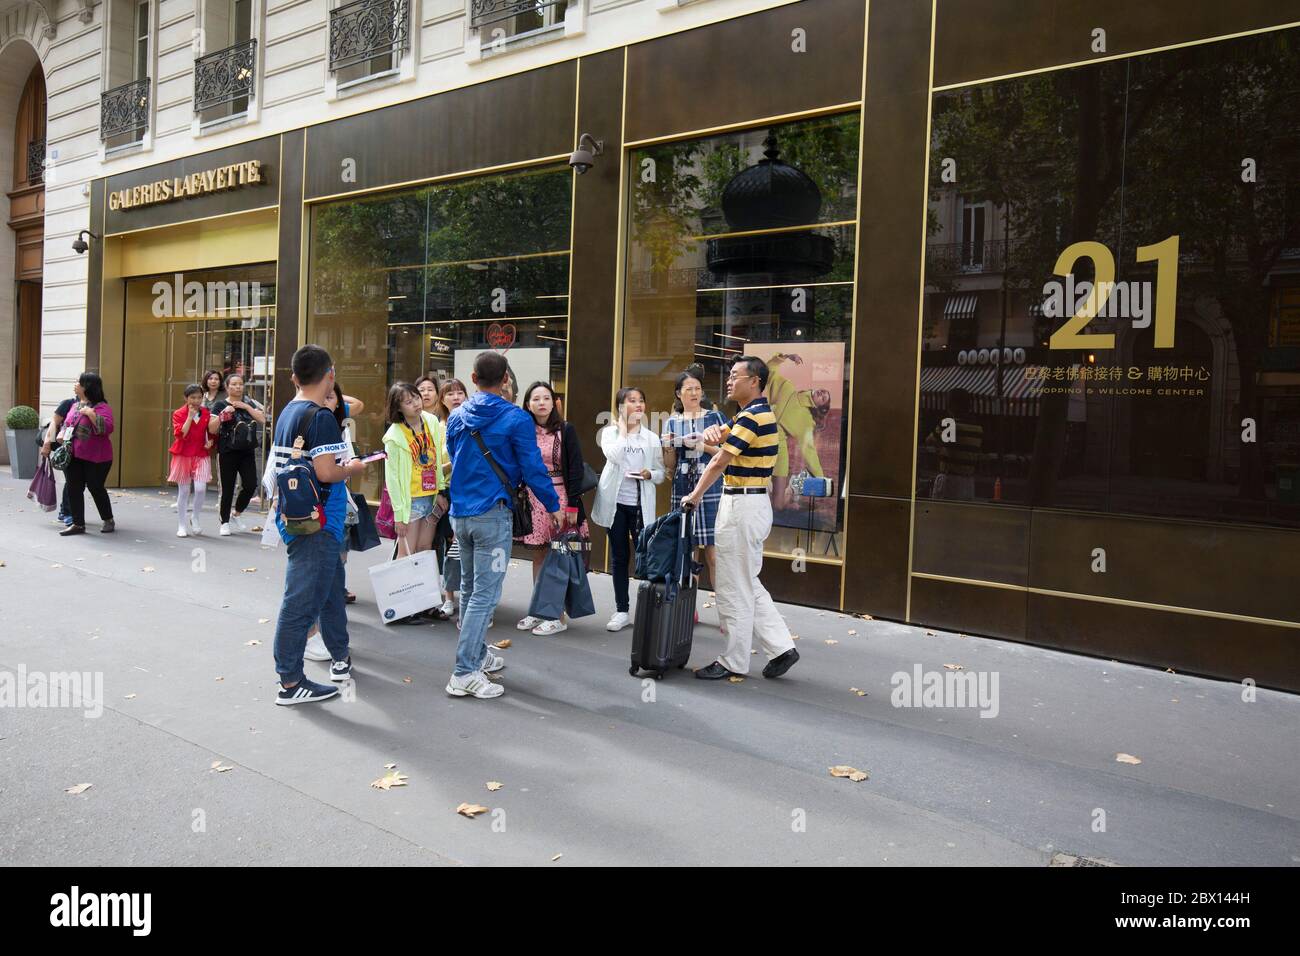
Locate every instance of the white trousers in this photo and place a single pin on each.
(744, 522)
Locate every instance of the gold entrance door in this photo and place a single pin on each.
(172, 339)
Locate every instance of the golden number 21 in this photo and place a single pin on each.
(1165, 255)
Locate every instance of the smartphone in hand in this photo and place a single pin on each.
(377, 456)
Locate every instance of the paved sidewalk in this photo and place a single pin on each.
(594, 765)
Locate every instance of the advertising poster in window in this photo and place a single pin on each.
(805, 388)
(525, 367)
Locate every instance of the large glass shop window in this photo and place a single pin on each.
(744, 244)
(1112, 309)
(420, 282)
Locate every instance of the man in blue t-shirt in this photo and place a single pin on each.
(313, 578)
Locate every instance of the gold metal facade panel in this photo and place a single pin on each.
(204, 244)
(962, 540)
(982, 39)
(1230, 569)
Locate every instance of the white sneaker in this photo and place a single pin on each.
(550, 627)
(181, 532)
(448, 609)
(493, 663)
(237, 524)
(316, 649)
(195, 529)
(473, 685)
(528, 623)
(225, 531)
(619, 621)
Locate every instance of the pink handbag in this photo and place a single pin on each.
(384, 522)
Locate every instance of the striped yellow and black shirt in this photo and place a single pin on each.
(752, 444)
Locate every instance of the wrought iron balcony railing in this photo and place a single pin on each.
(36, 161)
(966, 258)
(483, 12)
(225, 76)
(365, 29)
(124, 109)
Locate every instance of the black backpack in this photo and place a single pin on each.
(245, 433)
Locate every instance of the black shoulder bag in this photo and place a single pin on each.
(521, 507)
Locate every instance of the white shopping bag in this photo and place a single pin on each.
(406, 586)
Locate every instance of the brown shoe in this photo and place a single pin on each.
(72, 529)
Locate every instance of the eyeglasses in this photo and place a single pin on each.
(738, 375)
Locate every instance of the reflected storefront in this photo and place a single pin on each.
(420, 282)
(743, 244)
(1173, 392)
(1035, 313)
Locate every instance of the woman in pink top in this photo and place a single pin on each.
(191, 459)
(88, 426)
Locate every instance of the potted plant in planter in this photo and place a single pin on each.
(21, 425)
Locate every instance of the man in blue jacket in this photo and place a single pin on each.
(481, 512)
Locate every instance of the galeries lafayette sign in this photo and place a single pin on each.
(216, 180)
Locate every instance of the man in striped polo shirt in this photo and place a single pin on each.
(749, 450)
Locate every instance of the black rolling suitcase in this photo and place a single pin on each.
(665, 613)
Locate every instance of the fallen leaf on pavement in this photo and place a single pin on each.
(389, 780)
(853, 773)
(502, 644)
(930, 634)
(735, 679)
(79, 788)
(56, 565)
(1127, 758)
(860, 693)
(146, 569)
(390, 766)
(220, 767)
(852, 632)
(556, 857)
(218, 678)
(252, 643)
(263, 620)
(248, 570)
(829, 641)
(794, 637)
(953, 667)
(130, 697)
(406, 680)
(866, 617)
(470, 809)
(493, 786)
(708, 604)
(257, 527)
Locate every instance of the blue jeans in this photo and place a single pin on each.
(313, 590)
(484, 557)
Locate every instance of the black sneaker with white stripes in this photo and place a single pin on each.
(341, 670)
(305, 692)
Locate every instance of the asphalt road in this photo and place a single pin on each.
(595, 766)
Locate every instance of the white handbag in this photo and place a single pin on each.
(406, 586)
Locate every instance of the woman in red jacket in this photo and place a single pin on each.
(191, 459)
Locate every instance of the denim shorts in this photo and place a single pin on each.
(422, 507)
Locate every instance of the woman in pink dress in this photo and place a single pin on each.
(557, 440)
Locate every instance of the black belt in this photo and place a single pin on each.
(744, 491)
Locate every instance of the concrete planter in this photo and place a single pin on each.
(23, 451)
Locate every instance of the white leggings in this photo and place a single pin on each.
(183, 499)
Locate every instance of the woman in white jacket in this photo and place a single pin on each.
(625, 497)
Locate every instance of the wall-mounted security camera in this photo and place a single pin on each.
(79, 245)
(584, 157)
